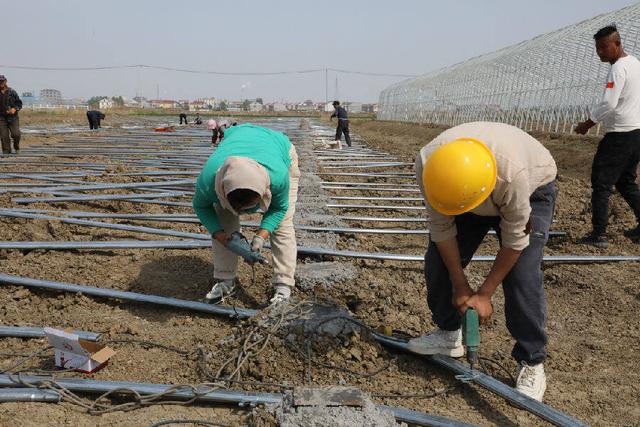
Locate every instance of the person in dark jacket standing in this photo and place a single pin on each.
(10, 104)
(94, 118)
(343, 122)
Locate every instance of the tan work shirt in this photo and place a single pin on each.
(523, 166)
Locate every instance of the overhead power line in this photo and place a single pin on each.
(185, 70)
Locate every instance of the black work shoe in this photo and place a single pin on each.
(597, 240)
(633, 234)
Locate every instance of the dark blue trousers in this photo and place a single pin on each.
(525, 302)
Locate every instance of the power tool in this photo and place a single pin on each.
(471, 335)
(239, 245)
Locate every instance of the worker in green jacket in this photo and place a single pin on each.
(252, 168)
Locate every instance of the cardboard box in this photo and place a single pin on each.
(73, 352)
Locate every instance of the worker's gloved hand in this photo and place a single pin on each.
(240, 246)
(11, 111)
(257, 243)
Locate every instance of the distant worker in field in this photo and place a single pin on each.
(253, 168)
(223, 125)
(94, 117)
(212, 125)
(343, 123)
(616, 160)
(475, 177)
(10, 104)
(198, 120)
(183, 116)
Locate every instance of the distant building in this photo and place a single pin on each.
(51, 96)
(255, 107)
(164, 103)
(277, 107)
(234, 106)
(27, 95)
(105, 104)
(353, 107)
(202, 104)
(369, 108)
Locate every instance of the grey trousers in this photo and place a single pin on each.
(9, 129)
(525, 305)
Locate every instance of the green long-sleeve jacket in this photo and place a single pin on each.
(267, 147)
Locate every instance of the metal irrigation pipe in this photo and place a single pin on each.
(242, 398)
(388, 207)
(369, 175)
(108, 186)
(93, 197)
(371, 184)
(33, 332)
(386, 199)
(381, 219)
(28, 394)
(368, 166)
(543, 411)
(108, 225)
(481, 379)
(374, 189)
(8, 279)
(197, 244)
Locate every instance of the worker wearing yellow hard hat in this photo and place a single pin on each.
(476, 177)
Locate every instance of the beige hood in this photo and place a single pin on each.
(242, 172)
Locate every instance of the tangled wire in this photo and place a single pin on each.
(275, 324)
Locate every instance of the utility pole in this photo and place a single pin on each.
(326, 87)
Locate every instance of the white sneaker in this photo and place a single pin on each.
(531, 380)
(448, 343)
(220, 291)
(282, 293)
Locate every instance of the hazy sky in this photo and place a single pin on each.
(401, 36)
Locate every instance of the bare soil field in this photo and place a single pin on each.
(593, 325)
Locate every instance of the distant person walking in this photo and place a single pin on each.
(10, 104)
(94, 117)
(616, 160)
(183, 116)
(343, 122)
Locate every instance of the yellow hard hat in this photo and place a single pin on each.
(459, 176)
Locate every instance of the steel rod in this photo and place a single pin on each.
(8, 279)
(380, 219)
(108, 186)
(28, 394)
(33, 332)
(107, 225)
(375, 189)
(389, 207)
(92, 197)
(206, 394)
(535, 407)
(382, 199)
(197, 244)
